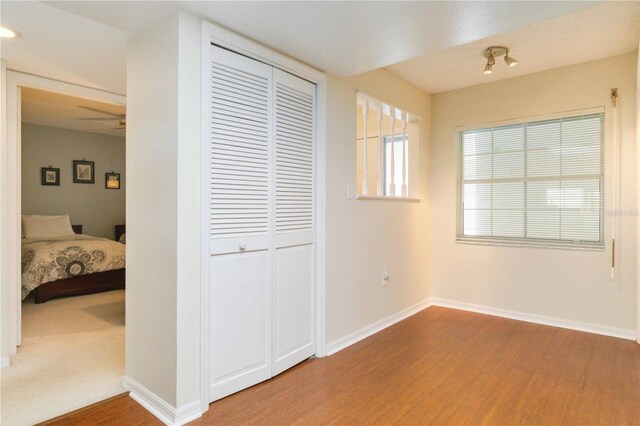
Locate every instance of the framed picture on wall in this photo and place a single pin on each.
(83, 171)
(50, 176)
(112, 180)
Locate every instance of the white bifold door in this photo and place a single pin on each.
(261, 209)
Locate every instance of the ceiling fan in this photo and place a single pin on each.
(120, 118)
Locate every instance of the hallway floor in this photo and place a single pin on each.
(440, 366)
(72, 355)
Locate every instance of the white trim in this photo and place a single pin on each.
(204, 224)
(320, 241)
(5, 362)
(375, 327)
(252, 49)
(528, 244)
(388, 198)
(380, 325)
(4, 301)
(537, 319)
(159, 407)
(637, 198)
(212, 33)
(10, 176)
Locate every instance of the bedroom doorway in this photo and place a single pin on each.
(65, 209)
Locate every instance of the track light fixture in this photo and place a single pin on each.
(491, 61)
(491, 52)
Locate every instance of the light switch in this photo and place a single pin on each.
(350, 194)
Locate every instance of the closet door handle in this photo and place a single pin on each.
(242, 246)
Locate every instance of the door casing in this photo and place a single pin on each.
(11, 198)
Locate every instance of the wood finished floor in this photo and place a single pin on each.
(441, 366)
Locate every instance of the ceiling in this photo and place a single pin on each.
(85, 41)
(64, 46)
(601, 31)
(57, 110)
(342, 38)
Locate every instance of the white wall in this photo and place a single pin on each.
(98, 209)
(189, 196)
(366, 237)
(152, 135)
(163, 229)
(566, 284)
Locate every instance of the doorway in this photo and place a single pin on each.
(75, 338)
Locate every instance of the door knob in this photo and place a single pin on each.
(242, 246)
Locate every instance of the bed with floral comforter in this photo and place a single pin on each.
(50, 259)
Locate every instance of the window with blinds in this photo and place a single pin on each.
(533, 182)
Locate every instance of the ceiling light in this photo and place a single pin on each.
(491, 52)
(509, 60)
(8, 33)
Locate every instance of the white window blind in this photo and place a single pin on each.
(534, 182)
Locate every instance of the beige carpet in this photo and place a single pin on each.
(72, 355)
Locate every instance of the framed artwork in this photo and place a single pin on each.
(50, 176)
(112, 180)
(83, 171)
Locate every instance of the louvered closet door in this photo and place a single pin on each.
(240, 202)
(293, 284)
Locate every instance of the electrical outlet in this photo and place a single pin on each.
(350, 194)
(385, 278)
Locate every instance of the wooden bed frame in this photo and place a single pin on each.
(82, 284)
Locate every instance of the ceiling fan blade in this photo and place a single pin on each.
(98, 118)
(108, 129)
(102, 112)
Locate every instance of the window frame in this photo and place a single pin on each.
(524, 241)
(412, 153)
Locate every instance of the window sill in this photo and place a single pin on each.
(542, 245)
(388, 198)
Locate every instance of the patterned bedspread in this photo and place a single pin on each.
(50, 259)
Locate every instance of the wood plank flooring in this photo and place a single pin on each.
(440, 366)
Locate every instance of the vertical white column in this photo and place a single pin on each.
(404, 155)
(380, 188)
(365, 178)
(392, 179)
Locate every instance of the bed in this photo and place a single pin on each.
(65, 262)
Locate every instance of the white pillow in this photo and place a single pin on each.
(36, 226)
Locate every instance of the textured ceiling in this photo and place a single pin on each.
(85, 41)
(57, 110)
(342, 37)
(601, 31)
(63, 46)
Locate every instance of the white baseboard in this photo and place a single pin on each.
(164, 411)
(4, 362)
(537, 319)
(377, 326)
